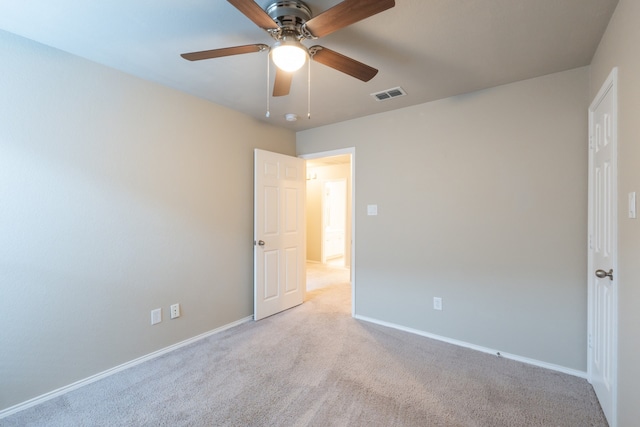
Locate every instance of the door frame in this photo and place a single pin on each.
(352, 269)
(610, 84)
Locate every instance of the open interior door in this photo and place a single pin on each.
(279, 227)
(603, 225)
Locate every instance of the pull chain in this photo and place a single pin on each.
(268, 79)
(309, 89)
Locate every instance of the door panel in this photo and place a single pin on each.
(291, 220)
(278, 233)
(271, 288)
(603, 249)
(334, 217)
(271, 201)
(291, 283)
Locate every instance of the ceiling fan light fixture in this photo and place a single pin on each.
(289, 55)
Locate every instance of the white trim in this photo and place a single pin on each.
(339, 152)
(330, 153)
(62, 390)
(482, 349)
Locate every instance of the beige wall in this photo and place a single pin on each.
(619, 48)
(112, 206)
(314, 218)
(117, 196)
(481, 201)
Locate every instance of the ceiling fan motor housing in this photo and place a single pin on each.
(290, 15)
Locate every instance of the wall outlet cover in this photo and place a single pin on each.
(175, 311)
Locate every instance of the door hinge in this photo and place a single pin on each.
(590, 241)
(590, 341)
(591, 142)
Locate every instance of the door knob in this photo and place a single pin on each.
(260, 242)
(602, 274)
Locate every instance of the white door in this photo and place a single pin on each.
(334, 219)
(603, 305)
(279, 226)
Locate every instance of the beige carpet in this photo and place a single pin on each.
(315, 365)
(321, 275)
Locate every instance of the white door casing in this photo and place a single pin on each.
(602, 260)
(279, 233)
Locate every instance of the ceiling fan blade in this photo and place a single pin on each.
(342, 63)
(251, 10)
(345, 13)
(282, 84)
(226, 51)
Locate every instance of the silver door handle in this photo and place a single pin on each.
(602, 274)
(260, 242)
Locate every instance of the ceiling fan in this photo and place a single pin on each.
(289, 22)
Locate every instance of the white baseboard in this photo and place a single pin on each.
(515, 357)
(58, 392)
(62, 390)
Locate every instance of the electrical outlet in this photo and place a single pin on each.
(175, 311)
(156, 316)
(437, 303)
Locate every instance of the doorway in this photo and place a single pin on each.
(329, 214)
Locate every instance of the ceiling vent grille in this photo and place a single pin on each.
(389, 93)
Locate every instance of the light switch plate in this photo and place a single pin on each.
(372, 210)
(156, 316)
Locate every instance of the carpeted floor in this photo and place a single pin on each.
(315, 365)
(320, 275)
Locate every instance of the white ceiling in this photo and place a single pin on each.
(433, 49)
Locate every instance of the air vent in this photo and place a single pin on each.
(389, 93)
